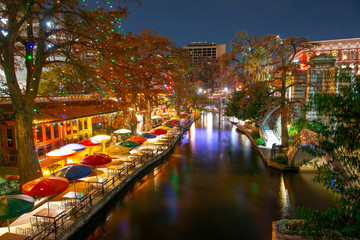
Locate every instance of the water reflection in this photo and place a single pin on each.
(214, 186)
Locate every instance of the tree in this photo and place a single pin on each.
(250, 103)
(35, 34)
(339, 145)
(138, 66)
(277, 57)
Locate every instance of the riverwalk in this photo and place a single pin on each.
(265, 151)
(62, 216)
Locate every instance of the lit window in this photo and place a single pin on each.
(344, 55)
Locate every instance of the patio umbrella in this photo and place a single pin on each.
(74, 172)
(158, 131)
(175, 122)
(12, 206)
(128, 144)
(102, 139)
(45, 186)
(163, 127)
(96, 159)
(117, 149)
(138, 139)
(60, 154)
(90, 143)
(74, 147)
(170, 123)
(123, 131)
(155, 117)
(148, 135)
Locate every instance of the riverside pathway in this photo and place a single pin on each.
(116, 176)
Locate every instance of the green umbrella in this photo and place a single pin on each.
(128, 144)
(12, 206)
(168, 125)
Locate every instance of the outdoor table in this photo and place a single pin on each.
(137, 155)
(48, 213)
(97, 181)
(51, 214)
(74, 195)
(14, 236)
(147, 151)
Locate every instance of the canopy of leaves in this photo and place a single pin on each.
(340, 144)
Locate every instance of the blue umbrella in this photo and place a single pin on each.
(74, 172)
(74, 146)
(148, 135)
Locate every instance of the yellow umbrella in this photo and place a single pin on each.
(117, 149)
(163, 127)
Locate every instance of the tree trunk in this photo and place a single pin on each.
(147, 113)
(134, 122)
(284, 115)
(28, 163)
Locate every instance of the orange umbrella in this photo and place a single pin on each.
(138, 139)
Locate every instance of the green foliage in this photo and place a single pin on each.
(251, 103)
(13, 187)
(339, 144)
(290, 227)
(303, 123)
(255, 135)
(280, 158)
(259, 141)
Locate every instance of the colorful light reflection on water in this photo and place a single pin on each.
(214, 186)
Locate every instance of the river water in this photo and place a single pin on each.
(214, 186)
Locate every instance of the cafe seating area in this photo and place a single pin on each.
(87, 174)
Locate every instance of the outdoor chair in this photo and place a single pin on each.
(20, 231)
(29, 232)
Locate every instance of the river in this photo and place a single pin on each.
(213, 186)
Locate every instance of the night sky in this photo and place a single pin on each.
(184, 21)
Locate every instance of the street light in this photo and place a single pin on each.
(200, 90)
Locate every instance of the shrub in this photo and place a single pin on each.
(255, 135)
(280, 158)
(12, 187)
(259, 141)
(291, 227)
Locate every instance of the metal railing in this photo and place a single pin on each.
(83, 204)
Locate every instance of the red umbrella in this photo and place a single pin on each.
(171, 123)
(138, 139)
(96, 159)
(90, 143)
(158, 131)
(45, 186)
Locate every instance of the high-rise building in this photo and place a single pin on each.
(202, 52)
(204, 57)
